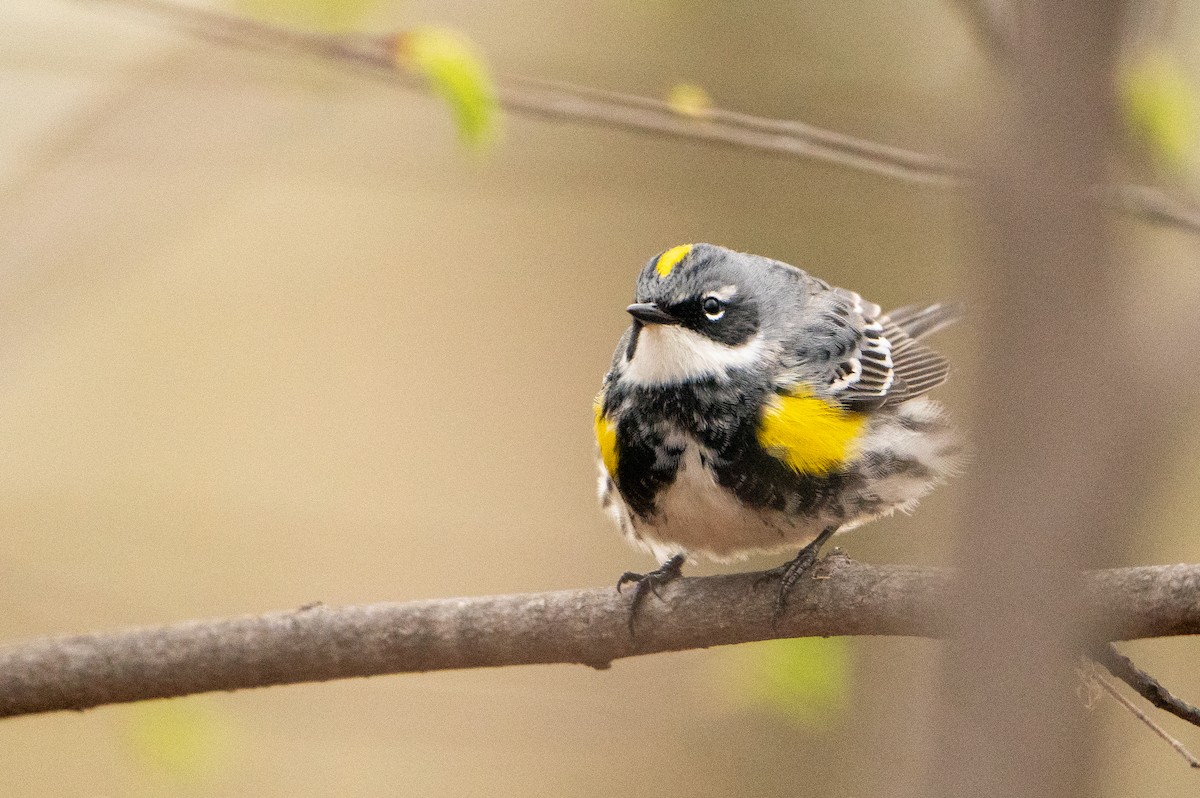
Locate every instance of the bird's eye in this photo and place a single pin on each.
(713, 308)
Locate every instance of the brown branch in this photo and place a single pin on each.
(581, 104)
(577, 626)
(1144, 684)
(1159, 731)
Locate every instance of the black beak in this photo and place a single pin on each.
(651, 313)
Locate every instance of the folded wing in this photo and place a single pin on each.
(877, 359)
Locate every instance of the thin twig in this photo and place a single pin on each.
(1143, 683)
(582, 104)
(318, 643)
(1137, 713)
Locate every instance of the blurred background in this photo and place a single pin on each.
(269, 335)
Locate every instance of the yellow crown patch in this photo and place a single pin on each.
(670, 259)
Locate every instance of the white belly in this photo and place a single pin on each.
(696, 516)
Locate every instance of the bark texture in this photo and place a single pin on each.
(574, 626)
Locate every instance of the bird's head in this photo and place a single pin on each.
(697, 314)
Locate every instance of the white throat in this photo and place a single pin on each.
(667, 354)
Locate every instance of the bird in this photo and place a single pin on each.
(752, 408)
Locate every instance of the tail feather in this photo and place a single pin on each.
(917, 368)
(920, 321)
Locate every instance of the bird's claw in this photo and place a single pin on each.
(649, 582)
(790, 572)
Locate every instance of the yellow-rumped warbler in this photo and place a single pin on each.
(752, 408)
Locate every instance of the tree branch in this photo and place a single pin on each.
(1144, 684)
(581, 104)
(1159, 731)
(319, 643)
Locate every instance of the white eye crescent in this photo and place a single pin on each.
(713, 308)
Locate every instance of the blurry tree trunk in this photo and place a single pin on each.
(1056, 439)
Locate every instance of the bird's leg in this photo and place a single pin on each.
(650, 582)
(789, 573)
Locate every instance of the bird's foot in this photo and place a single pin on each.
(650, 582)
(790, 572)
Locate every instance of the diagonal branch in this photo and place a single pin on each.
(581, 104)
(1146, 685)
(319, 643)
(1159, 731)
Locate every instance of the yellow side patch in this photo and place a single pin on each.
(812, 436)
(670, 259)
(606, 436)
